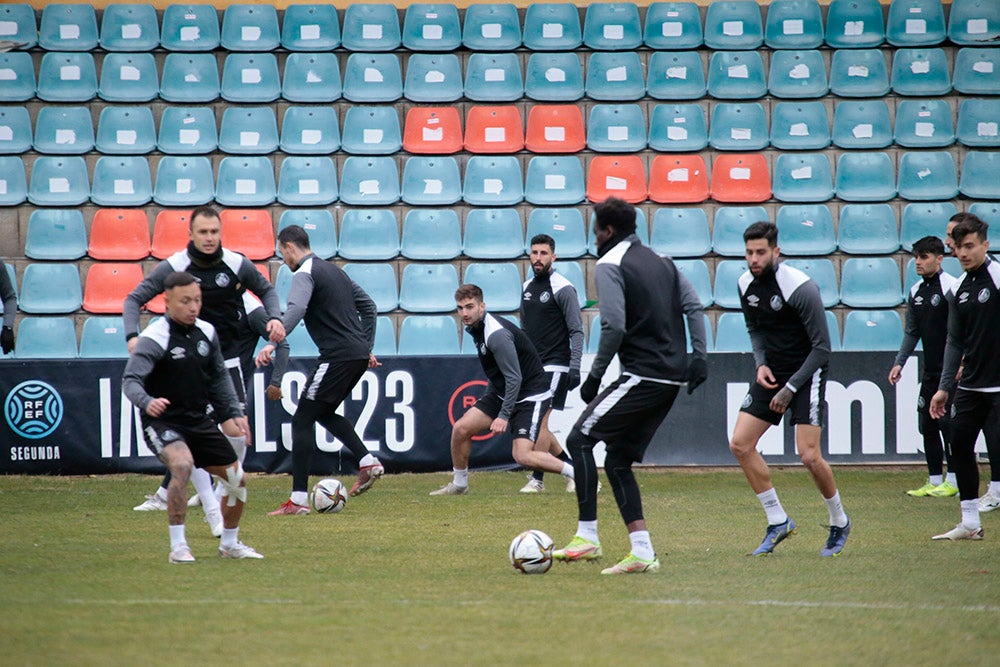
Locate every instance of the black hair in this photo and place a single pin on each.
(617, 213)
(544, 238)
(929, 245)
(762, 230)
(204, 212)
(295, 235)
(972, 224)
(178, 279)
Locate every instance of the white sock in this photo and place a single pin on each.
(836, 509)
(239, 445)
(367, 460)
(161, 493)
(952, 479)
(300, 497)
(229, 537)
(995, 488)
(460, 477)
(970, 514)
(936, 480)
(203, 485)
(641, 546)
(177, 536)
(567, 470)
(587, 530)
(772, 507)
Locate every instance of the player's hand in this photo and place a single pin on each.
(781, 400)
(244, 426)
(276, 331)
(264, 356)
(572, 379)
(132, 342)
(274, 393)
(373, 362)
(157, 407)
(589, 388)
(895, 374)
(958, 375)
(938, 402)
(7, 340)
(697, 373)
(765, 377)
(498, 426)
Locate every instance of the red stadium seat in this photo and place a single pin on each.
(250, 232)
(432, 131)
(678, 179)
(741, 178)
(108, 285)
(555, 128)
(622, 176)
(170, 232)
(494, 130)
(119, 234)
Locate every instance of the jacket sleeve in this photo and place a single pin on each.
(143, 292)
(691, 305)
(611, 291)
(911, 335)
(140, 364)
(756, 338)
(806, 300)
(262, 287)
(367, 311)
(299, 295)
(8, 296)
(954, 347)
(501, 344)
(570, 305)
(258, 319)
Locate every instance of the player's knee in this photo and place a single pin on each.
(234, 484)
(811, 458)
(521, 456)
(181, 469)
(578, 442)
(616, 463)
(462, 429)
(740, 447)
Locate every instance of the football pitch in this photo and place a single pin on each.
(401, 578)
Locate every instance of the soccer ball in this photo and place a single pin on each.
(531, 552)
(328, 496)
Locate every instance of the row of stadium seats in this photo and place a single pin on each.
(492, 27)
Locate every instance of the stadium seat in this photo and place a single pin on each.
(731, 333)
(50, 288)
(802, 177)
(794, 24)
(573, 272)
(127, 27)
(431, 27)
(189, 78)
(554, 77)
(678, 179)
(301, 343)
(555, 180)
(870, 282)
(493, 181)
(920, 72)
(977, 123)
(680, 232)
(119, 234)
(431, 234)
(854, 24)
(17, 24)
(250, 78)
(371, 27)
(170, 232)
(46, 338)
(696, 271)
(103, 337)
(246, 180)
(678, 128)
(594, 335)
(126, 131)
(67, 77)
(806, 229)
(555, 129)
(371, 131)
(433, 77)
(738, 127)
(318, 224)
(872, 330)
(190, 28)
(834, 328)
(501, 284)
(975, 71)
(612, 26)
(428, 288)
(369, 234)
(726, 292)
(55, 234)
(184, 180)
(924, 124)
(309, 130)
(431, 181)
(494, 234)
(974, 22)
(369, 181)
(58, 181)
(673, 25)
(13, 182)
(616, 128)
(15, 130)
(822, 273)
(385, 337)
(250, 28)
(927, 176)
(107, 285)
(676, 75)
(311, 77)
(617, 176)
(373, 77)
(800, 126)
(868, 229)
(61, 130)
(68, 28)
(797, 75)
(733, 26)
(552, 27)
(989, 212)
(248, 131)
(864, 177)
(307, 181)
(736, 75)
(494, 130)
(564, 225)
(493, 77)
(979, 170)
(492, 27)
(250, 232)
(17, 71)
(924, 219)
(859, 73)
(432, 131)
(129, 77)
(740, 178)
(428, 335)
(915, 23)
(615, 76)
(729, 225)
(378, 281)
(310, 28)
(862, 124)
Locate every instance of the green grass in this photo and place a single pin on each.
(405, 579)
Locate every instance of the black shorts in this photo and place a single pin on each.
(558, 385)
(626, 414)
(808, 405)
(332, 381)
(526, 419)
(235, 369)
(207, 443)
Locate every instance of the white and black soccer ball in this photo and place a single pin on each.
(328, 496)
(531, 552)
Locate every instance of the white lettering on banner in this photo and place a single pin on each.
(260, 441)
(128, 419)
(907, 392)
(399, 433)
(839, 400)
(366, 389)
(28, 453)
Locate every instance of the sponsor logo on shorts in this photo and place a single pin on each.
(777, 303)
(170, 436)
(921, 402)
(747, 401)
(522, 431)
(33, 409)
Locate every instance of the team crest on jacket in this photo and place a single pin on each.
(776, 302)
(545, 296)
(984, 295)
(203, 348)
(936, 300)
(221, 279)
(482, 349)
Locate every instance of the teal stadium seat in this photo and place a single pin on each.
(55, 234)
(834, 327)
(61, 130)
(318, 224)
(311, 77)
(371, 27)
(975, 71)
(431, 234)
(678, 128)
(189, 78)
(872, 330)
(250, 78)
(67, 77)
(17, 24)
(371, 131)
(806, 229)
(15, 130)
(738, 126)
(731, 333)
(373, 77)
(310, 28)
(865, 177)
(248, 131)
(612, 26)
(129, 27)
(493, 181)
(245, 181)
(803, 126)
(103, 337)
(251, 28)
(431, 181)
(190, 28)
(187, 131)
(555, 180)
(973, 22)
(433, 77)
(309, 130)
(59, 181)
(924, 124)
(709, 345)
(378, 281)
(552, 27)
(680, 232)
(495, 233)
(18, 74)
(696, 271)
(977, 123)
(369, 181)
(821, 270)
(573, 272)
(46, 338)
(736, 75)
(369, 234)
(594, 335)
(859, 73)
(501, 284)
(870, 282)
(727, 274)
(990, 213)
(307, 181)
(794, 24)
(927, 176)
(915, 23)
(924, 219)
(854, 24)
(494, 77)
(13, 182)
(564, 225)
(729, 225)
(126, 131)
(385, 337)
(920, 72)
(616, 128)
(282, 285)
(184, 181)
(673, 25)
(68, 28)
(492, 27)
(50, 288)
(121, 181)
(428, 335)
(797, 75)
(554, 77)
(615, 76)
(868, 229)
(678, 75)
(428, 288)
(733, 26)
(802, 177)
(431, 27)
(862, 124)
(979, 170)
(301, 344)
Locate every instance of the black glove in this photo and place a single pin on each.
(697, 372)
(589, 389)
(7, 340)
(573, 379)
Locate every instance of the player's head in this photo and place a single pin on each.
(183, 297)
(293, 242)
(927, 255)
(469, 304)
(952, 221)
(205, 230)
(613, 219)
(971, 244)
(761, 239)
(543, 253)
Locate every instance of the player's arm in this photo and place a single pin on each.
(697, 367)
(611, 290)
(501, 344)
(911, 336)
(8, 296)
(808, 303)
(257, 320)
(299, 295)
(252, 279)
(367, 311)
(954, 348)
(140, 364)
(143, 292)
(569, 303)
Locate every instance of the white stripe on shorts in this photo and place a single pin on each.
(317, 379)
(609, 401)
(814, 384)
(536, 420)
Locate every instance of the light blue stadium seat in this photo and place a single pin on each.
(248, 131)
(802, 177)
(190, 78)
(862, 124)
(13, 182)
(103, 337)
(800, 126)
(979, 175)
(245, 181)
(854, 24)
(371, 131)
(369, 234)
(594, 335)
(709, 344)
(19, 25)
(184, 180)
(369, 181)
(129, 27)
(797, 75)
(310, 28)
(431, 234)
(67, 77)
(373, 77)
(385, 337)
(495, 233)
(573, 272)
(806, 229)
(738, 126)
(678, 128)
(311, 77)
(68, 28)
(493, 181)
(555, 180)
(282, 285)
(990, 213)
(868, 229)
(859, 73)
(872, 330)
(641, 230)
(379, 281)
(612, 26)
(433, 77)
(924, 124)
(728, 227)
(924, 219)
(371, 27)
(18, 73)
(301, 343)
(492, 27)
(126, 131)
(190, 28)
(673, 25)
(501, 284)
(977, 123)
(431, 181)
(250, 28)
(564, 225)
(46, 338)
(863, 177)
(726, 293)
(61, 130)
(310, 130)
(834, 327)
(870, 282)
(59, 181)
(731, 333)
(431, 27)
(733, 26)
(736, 75)
(616, 128)
(493, 77)
(822, 272)
(121, 181)
(973, 22)
(428, 335)
(552, 27)
(428, 288)
(554, 77)
(676, 75)
(696, 271)
(975, 71)
(307, 181)
(15, 130)
(615, 76)
(56, 234)
(50, 288)
(794, 24)
(187, 131)
(927, 176)
(250, 78)
(318, 224)
(920, 72)
(680, 232)
(915, 23)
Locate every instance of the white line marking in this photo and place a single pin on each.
(164, 601)
(825, 605)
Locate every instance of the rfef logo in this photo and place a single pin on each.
(33, 409)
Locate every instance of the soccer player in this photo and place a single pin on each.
(791, 348)
(550, 315)
(9, 299)
(644, 301)
(340, 318)
(174, 373)
(927, 322)
(516, 398)
(973, 322)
